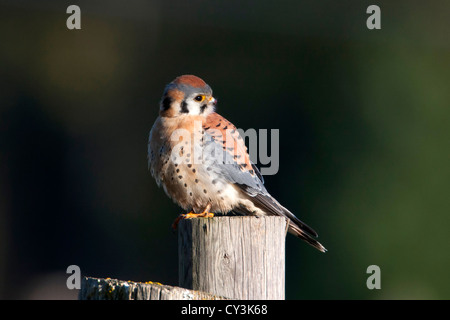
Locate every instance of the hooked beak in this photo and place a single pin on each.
(212, 100)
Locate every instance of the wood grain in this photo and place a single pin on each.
(239, 257)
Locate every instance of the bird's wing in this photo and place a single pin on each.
(228, 148)
(231, 160)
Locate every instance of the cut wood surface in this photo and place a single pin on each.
(240, 257)
(113, 289)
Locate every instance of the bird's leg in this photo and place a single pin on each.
(204, 214)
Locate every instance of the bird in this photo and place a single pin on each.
(202, 163)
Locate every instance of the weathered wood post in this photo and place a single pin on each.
(237, 257)
(113, 289)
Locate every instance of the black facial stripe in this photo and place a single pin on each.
(166, 103)
(202, 108)
(184, 108)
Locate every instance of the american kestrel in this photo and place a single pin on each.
(201, 161)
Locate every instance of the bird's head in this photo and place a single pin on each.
(187, 95)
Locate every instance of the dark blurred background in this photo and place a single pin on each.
(364, 129)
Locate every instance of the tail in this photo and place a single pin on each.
(270, 205)
(300, 229)
(298, 232)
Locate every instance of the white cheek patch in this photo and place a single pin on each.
(209, 109)
(194, 108)
(190, 107)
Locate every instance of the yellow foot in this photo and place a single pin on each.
(190, 215)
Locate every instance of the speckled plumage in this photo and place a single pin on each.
(202, 163)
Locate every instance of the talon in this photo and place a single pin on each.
(181, 217)
(190, 215)
(208, 215)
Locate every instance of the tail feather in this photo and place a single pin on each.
(301, 225)
(296, 231)
(297, 227)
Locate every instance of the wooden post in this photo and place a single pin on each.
(113, 289)
(237, 257)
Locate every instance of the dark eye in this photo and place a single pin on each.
(198, 98)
